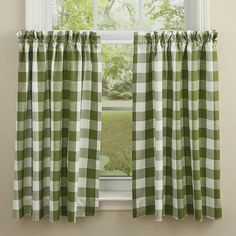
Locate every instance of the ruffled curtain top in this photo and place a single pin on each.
(50, 37)
(179, 37)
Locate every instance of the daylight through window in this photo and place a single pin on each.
(118, 14)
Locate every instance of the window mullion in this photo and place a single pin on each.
(104, 108)
(140, 15)
(186, 14)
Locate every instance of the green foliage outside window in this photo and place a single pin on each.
(170, 15)
(117, 71)
(73, 14)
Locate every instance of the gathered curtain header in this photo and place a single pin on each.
(180, 37)
(68, 36)
(76, 36)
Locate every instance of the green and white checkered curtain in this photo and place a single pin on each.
(176, 168)
(58, 125)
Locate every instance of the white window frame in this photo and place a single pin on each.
(115, 192)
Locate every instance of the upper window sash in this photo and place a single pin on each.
(39, 17)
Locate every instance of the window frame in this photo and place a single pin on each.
(115, 192)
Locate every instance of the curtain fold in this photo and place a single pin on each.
(58, 125)
(176, 169)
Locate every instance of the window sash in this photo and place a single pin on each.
(114, 183)
(110, 108)
(39, 17)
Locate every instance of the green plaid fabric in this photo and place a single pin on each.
(176, 168)
(58, 125)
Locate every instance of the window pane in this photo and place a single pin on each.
(73, 14)
(163, 14)
(117, 14)
(117, 72)
(116, 149)
(117, 115)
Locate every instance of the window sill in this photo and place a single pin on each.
(115, 201)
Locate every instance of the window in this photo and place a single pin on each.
(117, 14)
(115, 21)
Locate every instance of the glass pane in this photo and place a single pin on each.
(73, 14)
(117, 14)
(116, 149)
(117, 115)
(163, 14)
(117, 73)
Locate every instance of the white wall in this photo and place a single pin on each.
(223, 18)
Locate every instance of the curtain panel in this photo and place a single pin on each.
(58, 125)
(176, 168)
